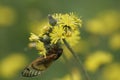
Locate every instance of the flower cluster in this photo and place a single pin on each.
(61, 26)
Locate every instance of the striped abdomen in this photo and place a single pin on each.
(38, 66)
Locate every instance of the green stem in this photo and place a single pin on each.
(77, 59)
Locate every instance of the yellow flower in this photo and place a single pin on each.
(57, 16)
(37, 44)
(68, 20)
(41, 48)
(78, 21)
(33, 37)
(57, 34)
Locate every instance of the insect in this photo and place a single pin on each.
(40, 64)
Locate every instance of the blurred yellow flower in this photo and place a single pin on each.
(41, 48)
(7, 16)
(81, 47)
(98, 58)
(95, 26)
(114, 41)
(57, 34)
(33, 37)
(12, 64)
(37, 44)
(74, 75)
(105, 23)
(112, 72)
(67, 54)
(36, 26)
(44, 30)
(74, 38)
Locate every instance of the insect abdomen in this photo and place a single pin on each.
(29, 72)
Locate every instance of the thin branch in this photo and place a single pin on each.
(77, 59)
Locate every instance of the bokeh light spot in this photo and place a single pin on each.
(35, 26)
(7, 16)
(74, 75)
(112, 72)
(98, 58)
(114, 41)
(12, 64)
(104, 23)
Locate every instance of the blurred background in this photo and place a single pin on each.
(99, 47)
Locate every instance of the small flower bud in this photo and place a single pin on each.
(52, 21)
